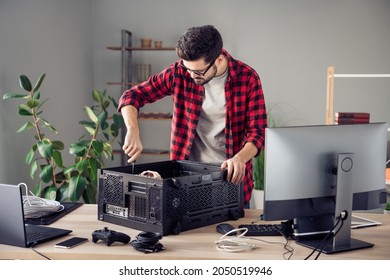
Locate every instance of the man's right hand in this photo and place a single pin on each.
(132, 145)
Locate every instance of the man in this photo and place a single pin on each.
(219, 114)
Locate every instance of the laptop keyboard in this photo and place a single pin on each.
(33, 236)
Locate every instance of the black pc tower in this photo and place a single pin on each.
(188, 195)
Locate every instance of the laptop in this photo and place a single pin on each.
(13, 229)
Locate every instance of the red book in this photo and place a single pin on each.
(351, 120)
(359, 115)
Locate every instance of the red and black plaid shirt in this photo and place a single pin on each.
(246, 116)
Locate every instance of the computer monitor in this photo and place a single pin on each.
(316, 175)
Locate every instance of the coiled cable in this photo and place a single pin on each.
(147, 242)
(36, 207)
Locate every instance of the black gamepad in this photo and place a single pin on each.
(109, 236)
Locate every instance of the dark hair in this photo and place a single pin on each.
(200, 42)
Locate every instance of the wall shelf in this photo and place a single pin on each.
(140, 49)
(126, 48)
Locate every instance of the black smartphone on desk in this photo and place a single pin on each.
(70, 243)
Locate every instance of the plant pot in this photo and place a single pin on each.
(257, 199)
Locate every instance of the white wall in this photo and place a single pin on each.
(289, 43)
(43, 36)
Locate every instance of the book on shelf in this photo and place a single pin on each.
(351, 120)
(351, 117)
(359, 115)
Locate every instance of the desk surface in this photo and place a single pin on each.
(193, 244)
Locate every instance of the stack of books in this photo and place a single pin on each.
(351, 117)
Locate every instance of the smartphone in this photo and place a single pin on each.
(70, 243)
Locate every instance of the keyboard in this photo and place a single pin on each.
(36, 236)
(262, 229)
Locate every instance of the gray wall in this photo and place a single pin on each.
(289, 43)
(43, 36)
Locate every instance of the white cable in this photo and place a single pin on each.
(234, 244)
(36, 207)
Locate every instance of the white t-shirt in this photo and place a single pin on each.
(209, 142)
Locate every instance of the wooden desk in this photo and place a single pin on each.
(193, 244)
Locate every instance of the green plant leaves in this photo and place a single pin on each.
(24, 110)
(47, 124)
(102, 119)
(91, 114)
(33, 103)
(69, 169)
(26, 126)
(57, 157)
(33, 169)
(77, 149)
(39, 82)
(93, 166)
(36, 95)
(97, 147)
(50, 192)
(97, 96)
(258, 171)
(76, 187)
(45, 148)
(25, 83)
(47, 172)
(30, 155)
(118, 120)
(81, 166)
(10, 95)
(89, 196)
(58, 145)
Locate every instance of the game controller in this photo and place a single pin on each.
(109, 236)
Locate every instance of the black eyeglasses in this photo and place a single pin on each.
(198, 72)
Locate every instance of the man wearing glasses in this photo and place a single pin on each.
(219, 113)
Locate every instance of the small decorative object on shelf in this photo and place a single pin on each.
(146, 42)
(158, 44)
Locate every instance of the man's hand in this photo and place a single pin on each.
(235, 168)
(236, 165)
(132, 145)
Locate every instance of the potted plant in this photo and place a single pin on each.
(274, 119)
(55, 179)
(387, 208)
(258, 178)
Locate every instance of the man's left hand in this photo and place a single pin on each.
(235, 170)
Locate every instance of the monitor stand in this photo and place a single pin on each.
(342, 241)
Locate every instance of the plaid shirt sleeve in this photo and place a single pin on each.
(155, 88)
(246, 114)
